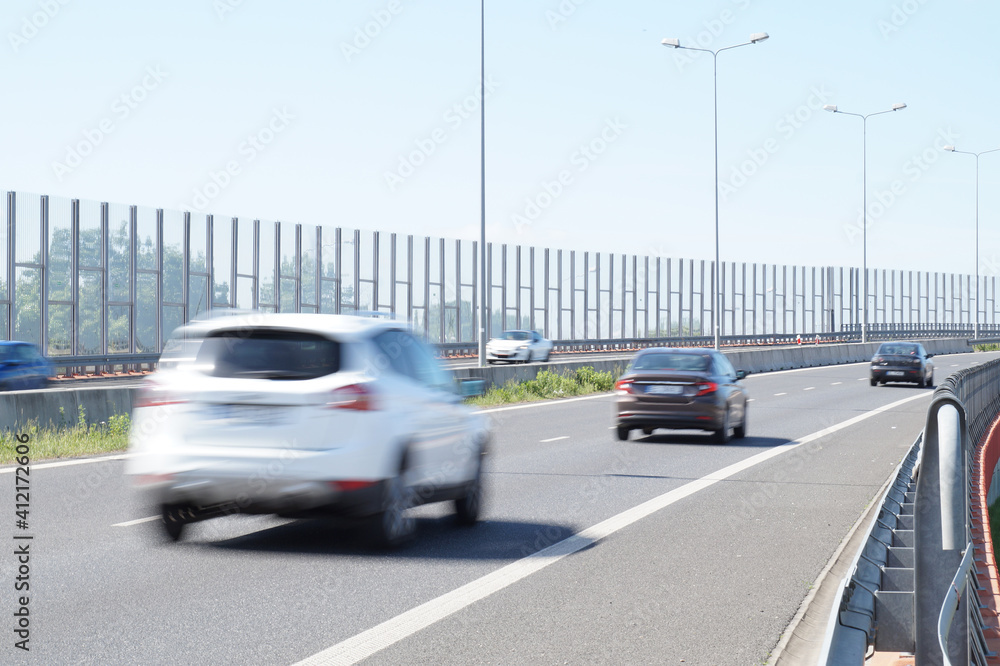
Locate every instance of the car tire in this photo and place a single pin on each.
(175, 517)
(647, 431)
(622, 433)
(393, 526)
(721, 436)
(469, 505)
(547, 355)
(930, 380)
(740, 431)
(874, 381)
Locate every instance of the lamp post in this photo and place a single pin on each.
(864, 203)
(676, 43)
(952, 149)
(482, 184)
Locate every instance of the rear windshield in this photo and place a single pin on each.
(691, 362)
(268, 354)
(897, 349)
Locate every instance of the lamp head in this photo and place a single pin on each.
(898, 107)
(830, 107)
(950, 149)
(671, 41)
(758, 37)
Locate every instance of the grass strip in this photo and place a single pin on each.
(79, 439)
(87, 439)
(549, 385)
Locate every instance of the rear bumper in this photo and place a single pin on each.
(633, 413)
(209, 496)
(890, 374)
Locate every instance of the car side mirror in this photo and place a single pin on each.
(741, 374)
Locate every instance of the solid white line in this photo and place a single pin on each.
(390, 632)
(67, 463)
(130, 523)
(543, 403)
(553, 439)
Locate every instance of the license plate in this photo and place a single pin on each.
(660, 389)
(895, 373)
(244, 414)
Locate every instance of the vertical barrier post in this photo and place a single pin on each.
(941, 529)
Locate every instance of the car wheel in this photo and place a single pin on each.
(547, 355)
(930, 380)
(469, 505)
(874, 381)
(394, 526)
(647, 431)
(722, 434)
(175, 517)
(740, 431)
(622, 433)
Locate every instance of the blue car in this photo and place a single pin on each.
(23, 367)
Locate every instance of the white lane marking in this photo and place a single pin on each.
(130, 523)
(780, 394)
(390, 632)
(67, 463)
(553, 439)
(835, 383)
(751, 399)
(861, 379)
(542, 403)
(810, 388)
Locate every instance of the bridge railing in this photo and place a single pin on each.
(904, 590)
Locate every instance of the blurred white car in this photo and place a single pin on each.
(305, 415)
(518, 347)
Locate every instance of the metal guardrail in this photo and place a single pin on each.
(909, 600)
(75, 364)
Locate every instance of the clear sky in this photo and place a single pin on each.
(364, 113)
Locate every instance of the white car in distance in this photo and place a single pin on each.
(304, 415)
(518, 347)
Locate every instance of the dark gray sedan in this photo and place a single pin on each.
(902, 362)
(681, 389)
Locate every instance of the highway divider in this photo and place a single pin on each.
(64, 406)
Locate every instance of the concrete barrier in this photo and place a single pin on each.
(62, 406)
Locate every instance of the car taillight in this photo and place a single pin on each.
(706, 387)
(624, 385)
(155, 396)
(357, 397)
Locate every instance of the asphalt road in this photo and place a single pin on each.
(664, 549)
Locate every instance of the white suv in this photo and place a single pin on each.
(305, 415)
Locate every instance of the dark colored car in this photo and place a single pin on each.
(22, 366)
(681, 389)
(902, 362)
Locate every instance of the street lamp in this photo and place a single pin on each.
(676, 43)
(482, 184)
(864, 202)
(975, 333)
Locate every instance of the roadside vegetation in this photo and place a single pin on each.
(992, 346)
(71, 439)
(67, 440)
(548, 385)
